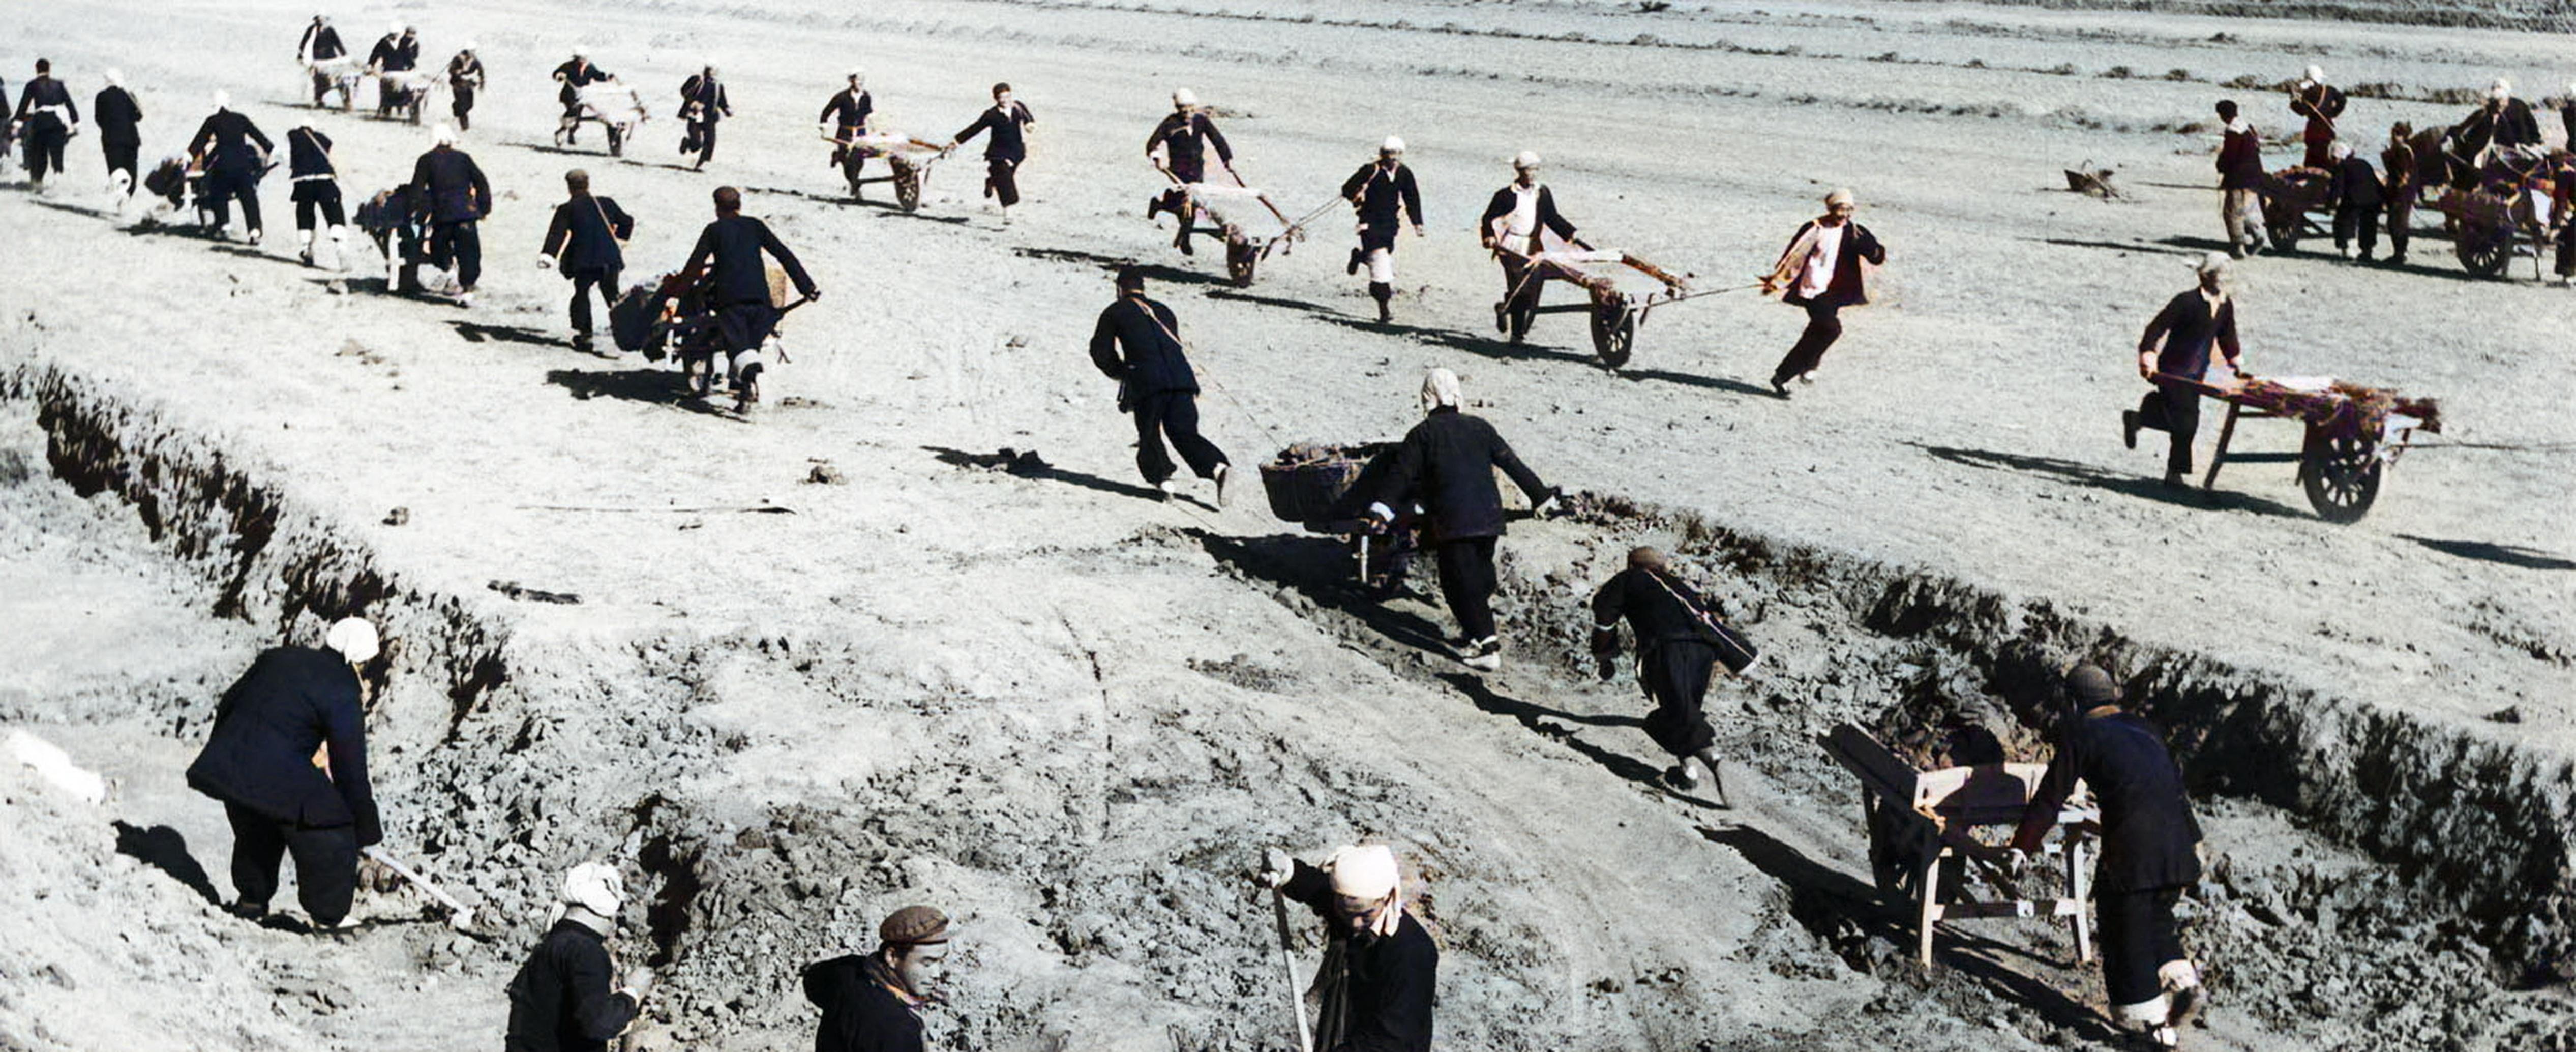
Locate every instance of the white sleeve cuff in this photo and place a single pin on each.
(1382, 511)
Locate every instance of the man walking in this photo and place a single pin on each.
(1675, 662)
(2150, 841)
(575, 74)
(2174, 356)
(1009, 121)
(260, 760)
(398, 52)
(2356, 195)
(1179, 148)
(233, 165)
(2503, 125)
(2320, 103)
(583, 242)
(2240, 176)
(2399, 161)
(120, 134)
(1821, 271)
(844, 120)
(320, 44)
(458, 199)
(1381, 973)
(317, 190)
(702, 104)
(874, 1003)
(728, 253)
(1446, 463)
(47, 120)
(1518, 218)
(1384, 194)
(1137, 342)
(464, 78)
(561, 999)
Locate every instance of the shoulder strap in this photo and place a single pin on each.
(603, 219)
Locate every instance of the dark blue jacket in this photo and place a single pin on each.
(584, 235)
(260, 754)
(563, 999)
(1138, 343)
(457, 191)
(225, 139)
(2149, 834)
(1009, 142)
(1447, 462)
(732, 246)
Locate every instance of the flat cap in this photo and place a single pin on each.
(914, 926)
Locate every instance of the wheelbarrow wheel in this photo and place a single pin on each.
(1242, 258)
(2484, 251)
(907, 183)
(2341, 475)
(1614, 333)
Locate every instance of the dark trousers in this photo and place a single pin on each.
(2175, 410)
(1676, 675)
(2566, 250)
(2320, 153)
(326, 862)
(121, 157)
(2401, 219)
(1001, 181)
(2139, 936)
(458, 246)
(222, 187)
(2363, 220)
(1172, 415)
(1824, 326)
(702, 136)
(44, 141)
(322, 85)
(319, 197)
(463, 105)
(1466, 568)
(582, 282)
(1177, 200)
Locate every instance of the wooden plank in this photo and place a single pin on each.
(2218, 457)
(1879, 770)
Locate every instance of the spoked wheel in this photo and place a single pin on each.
(2285, 236)
(2341, 475)
(907, 183)
(1614, 333)
(1241, 259)
(2484, 251)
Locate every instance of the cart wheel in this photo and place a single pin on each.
(2341, 476)
(2484, 253)
(1241, 258)
(907, 183)
(1614, 334)
(2285, 236)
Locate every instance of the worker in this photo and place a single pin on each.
(397, 52)
(2319, 103)
(464, 78)
(2355, 193)
(1447, 463)
(2240, 179)
(2501, 128)
(575, 74)
(2398, 160)
(233, 166)
(873, 1003)
(2174, 356)
(844, 120)
(46, 121)
(1384, 194)
(1517, 219)
(1821, 271)
(1675, 662)
(1381, 971)
(583, 242)
(320, 44)
(562, 999)
(1137, 342)
(120, 134)
(1009, 121)
(1178, 149)
(288, 758)
(2150, 845)
(729, 254)
(316, 193)
(702, 103)
(458, 199)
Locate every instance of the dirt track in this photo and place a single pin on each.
(1073, 714)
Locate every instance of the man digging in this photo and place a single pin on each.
(1381, 970)
(560, 1001)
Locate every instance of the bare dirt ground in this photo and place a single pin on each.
(1072, 715)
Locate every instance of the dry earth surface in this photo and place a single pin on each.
(1072, 716)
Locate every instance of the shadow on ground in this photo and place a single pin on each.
(164, 849)
(2081, 474)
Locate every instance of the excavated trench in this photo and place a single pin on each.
(507, 753)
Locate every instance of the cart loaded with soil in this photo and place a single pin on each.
(1325, 489)
(2353, 434)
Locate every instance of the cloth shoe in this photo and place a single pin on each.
(2129, 428)
(1708, 758)
(1354, 266)
(1484, 655)
(1224, 473)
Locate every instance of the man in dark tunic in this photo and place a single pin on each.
(398, 52)
(2240, 182)
(1447, 463)
(844, 119)
(458, 200)
(1821, 271)
(702, 103)
(2319, 103)
(2503, 127)
(1381, 972)
(2174, 356)
(1675, 663)
(316, 193)
(575, 74)
(464, 78)
(233, 166)
(47, 120)
(1179, 148)
(583, 242)
(874, 1003)
(1009, 121)
(2150, 851)
(561, 1000)
(729, 253)
(2355, 194)
(1518, 217)
(2399, 161)
(320, 44)
(1137, 342)
(260, 761)
(1384, 194)
(120, 133)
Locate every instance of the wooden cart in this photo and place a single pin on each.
(1620, 290)
(1251, 226)
(1322, 489)
(2353, 434)
(1920, 825)
(2294, 206)
(908, 162)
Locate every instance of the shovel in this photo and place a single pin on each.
(460, 915)
(1288, 970)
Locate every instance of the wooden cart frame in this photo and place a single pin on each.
(1620, 290)
(908, 162)
(2340, 464)
(1250, 233)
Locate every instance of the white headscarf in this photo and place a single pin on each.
(1440, 388)
(1367, 872)
(355, 639)
(595, 886)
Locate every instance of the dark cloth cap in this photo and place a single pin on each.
(914, 926)
(2089, 686)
